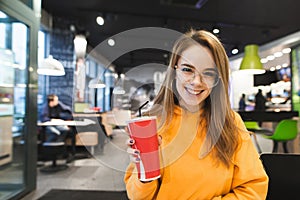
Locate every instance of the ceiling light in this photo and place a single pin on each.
(216, 30)
(111, 42)
(285, 65)
(72, 28)
(234, 50)
(119, 90)
(51, 67)
(270, 57)
(263, 60)
(286, 50)
(272, 69)
(122, 76)
(278, 54)
(251, 61)
(278, 67)
(116, 75)
(100, 20)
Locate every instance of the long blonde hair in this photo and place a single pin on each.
(221, 130)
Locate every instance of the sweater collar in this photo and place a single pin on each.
(180, 111)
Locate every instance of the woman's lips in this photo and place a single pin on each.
(193, 91)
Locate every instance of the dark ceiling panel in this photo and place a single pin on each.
(241, 21)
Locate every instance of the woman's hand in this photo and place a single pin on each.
(134, 153)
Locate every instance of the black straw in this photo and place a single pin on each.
(140, 108)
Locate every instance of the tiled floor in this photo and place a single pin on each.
(102, 172)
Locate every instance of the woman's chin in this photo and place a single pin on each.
(191, 106)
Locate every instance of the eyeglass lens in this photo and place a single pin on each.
(209, 76)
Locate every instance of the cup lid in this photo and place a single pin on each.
(143, 118)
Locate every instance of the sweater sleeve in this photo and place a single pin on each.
(135, 188)
(250, 180)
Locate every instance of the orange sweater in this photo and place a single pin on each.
(186, 176)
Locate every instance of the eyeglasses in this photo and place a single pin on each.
(209, 76)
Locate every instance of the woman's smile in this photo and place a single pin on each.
(193, 91)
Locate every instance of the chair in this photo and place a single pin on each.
(286, 130)
(284, 176)
(52, 151)
(254, 128)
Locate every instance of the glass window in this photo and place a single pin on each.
(14, 61)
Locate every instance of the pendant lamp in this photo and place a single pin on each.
(96, 83)
(119, 90)
(251, 62)
(51, 67)
(80, 44)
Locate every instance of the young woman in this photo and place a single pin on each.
(206, 151)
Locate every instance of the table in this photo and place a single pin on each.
(268, 116)
(57, 122)
(74, 123)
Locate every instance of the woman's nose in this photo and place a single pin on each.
(197, 78)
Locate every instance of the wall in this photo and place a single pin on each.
(62, 49)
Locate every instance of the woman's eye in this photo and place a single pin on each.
(186, 69)
(210, 73)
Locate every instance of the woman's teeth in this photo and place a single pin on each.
(195, 92)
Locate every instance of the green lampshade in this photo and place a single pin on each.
(251, 61)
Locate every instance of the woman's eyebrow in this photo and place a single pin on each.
(191, 66)
(211, 69)
(188, 65)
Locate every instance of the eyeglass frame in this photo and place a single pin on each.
(200, 74)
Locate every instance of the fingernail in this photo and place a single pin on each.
(137, 159)
(136, 152)
(131, 141)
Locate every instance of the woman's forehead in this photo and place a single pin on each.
(197, 55)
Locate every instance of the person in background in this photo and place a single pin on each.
(56, 110)
(242, 103)
(260, 103)
(206, 151)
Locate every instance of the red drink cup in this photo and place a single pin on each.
(144, 132)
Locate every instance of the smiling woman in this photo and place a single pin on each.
(203, 141)
(194, 89)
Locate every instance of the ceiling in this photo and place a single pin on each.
(241, 22)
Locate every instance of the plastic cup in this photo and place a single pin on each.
(144, 132)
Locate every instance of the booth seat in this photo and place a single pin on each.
(87, 139)
(91, 135)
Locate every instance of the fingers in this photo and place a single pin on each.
(159, 139)
(133, 152)
(126, 130)
(134, 155)
(134, 159)
(130, 142)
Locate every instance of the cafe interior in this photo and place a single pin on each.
(106, 60)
